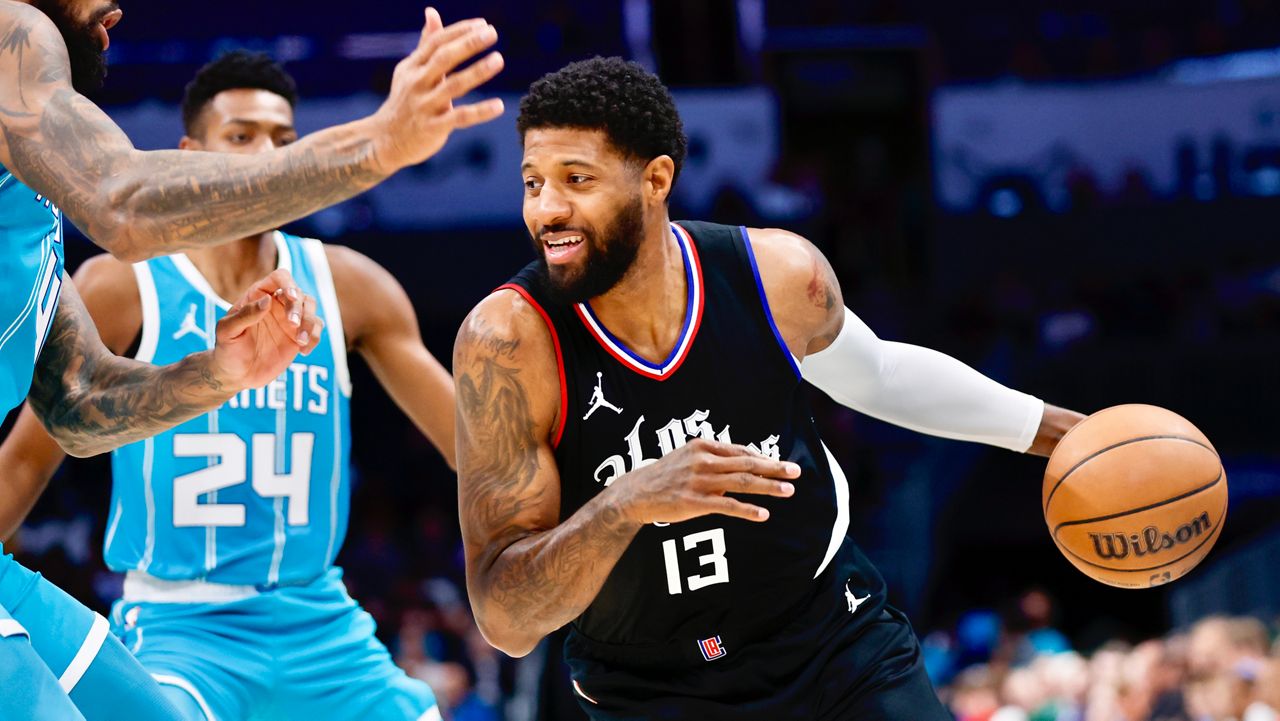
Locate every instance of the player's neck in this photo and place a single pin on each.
(233, 267)
(646, 308)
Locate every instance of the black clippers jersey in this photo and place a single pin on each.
(709, 584)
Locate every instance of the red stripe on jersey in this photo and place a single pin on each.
(555, 340)
(688, 332)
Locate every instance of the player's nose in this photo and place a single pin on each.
(551, 207)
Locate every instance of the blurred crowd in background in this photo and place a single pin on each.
(1020, 668)
(1157, 283)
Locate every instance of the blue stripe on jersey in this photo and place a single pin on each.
(685, 328)
(764, 301)
(31, 259)
(256, 492)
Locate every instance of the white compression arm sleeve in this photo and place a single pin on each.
(921, 389)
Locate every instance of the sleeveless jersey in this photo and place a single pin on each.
(255, 492)
(31, 258)
(710, 584)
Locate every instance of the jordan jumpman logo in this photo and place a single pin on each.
(597, 399)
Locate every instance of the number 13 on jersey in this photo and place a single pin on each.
(715, 559)
(232, 469)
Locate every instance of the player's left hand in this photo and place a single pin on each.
(263, 332)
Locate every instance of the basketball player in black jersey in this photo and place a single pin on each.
(635, 446)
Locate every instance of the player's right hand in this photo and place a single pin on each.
(693, 481)
(419, 113)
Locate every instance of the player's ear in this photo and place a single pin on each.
(189, 143)
(659, 174)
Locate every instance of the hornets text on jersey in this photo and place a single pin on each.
(256, 492)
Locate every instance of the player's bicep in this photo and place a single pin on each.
(506, 409)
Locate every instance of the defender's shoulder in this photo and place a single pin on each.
(106, 276)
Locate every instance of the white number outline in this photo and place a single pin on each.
(232, 469)
(716, 559)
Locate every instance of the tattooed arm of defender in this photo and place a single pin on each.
(907, 385)
(528, 573)
(91, 400)
(139, 204)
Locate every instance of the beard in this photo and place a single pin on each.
(609, 256)
(84, 50)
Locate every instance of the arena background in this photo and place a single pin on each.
(1076, 197)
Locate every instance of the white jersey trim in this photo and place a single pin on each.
(148, 495)
(841, 526)
(314, 251)
(16, 325)
(88, 651)
(200, 283)
(150, 312)
(142, 587)
(10, 627)
(185, 685)
(431, 714)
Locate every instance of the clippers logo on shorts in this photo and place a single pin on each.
(711, 648)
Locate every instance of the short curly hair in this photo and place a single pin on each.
(621, 98)
(235, 70)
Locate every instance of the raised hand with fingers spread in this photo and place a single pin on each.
(419, 114)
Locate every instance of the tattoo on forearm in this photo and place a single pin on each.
(93, 401)
(173, 200)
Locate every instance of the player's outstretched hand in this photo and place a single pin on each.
(694, 480)
(419, 113)
(263, 333)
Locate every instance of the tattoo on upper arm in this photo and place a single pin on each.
(17, 41)
(89, 398)
(496, 430)
(499, 462)
(37, 61)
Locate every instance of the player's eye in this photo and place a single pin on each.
(239, 138)
(531, 184)
(285, 140)
(577, 179)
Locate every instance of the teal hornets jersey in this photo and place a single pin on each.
(255, 492)
(30, 281)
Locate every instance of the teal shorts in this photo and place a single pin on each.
(58, 659)
(292, 652)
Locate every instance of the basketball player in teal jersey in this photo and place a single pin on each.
(59, 152)
(227, 525)
(55, 654)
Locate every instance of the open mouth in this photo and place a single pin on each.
(560, 247)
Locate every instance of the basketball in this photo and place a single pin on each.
(1135, 496)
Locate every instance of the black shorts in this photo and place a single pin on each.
(820, 668)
